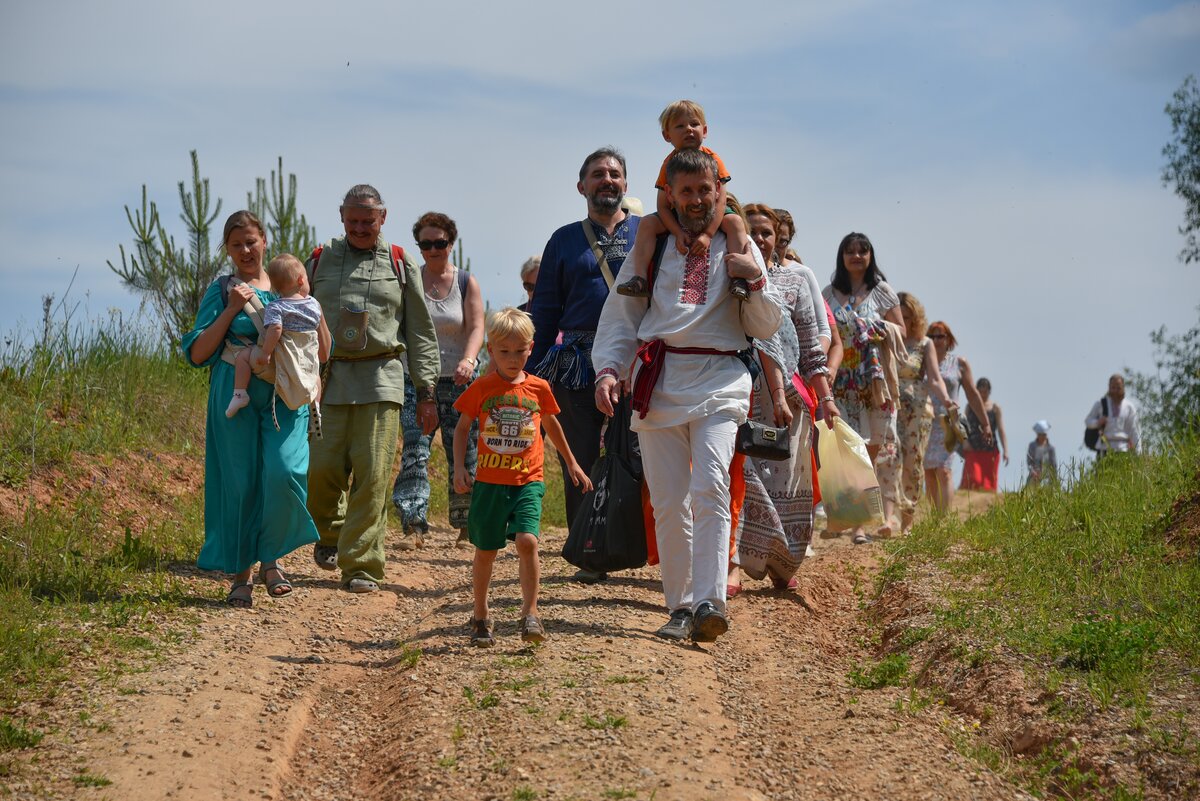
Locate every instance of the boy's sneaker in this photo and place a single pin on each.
(708, 623)
(532, 629)
(635, 287)
(481, 633)
(679, 627)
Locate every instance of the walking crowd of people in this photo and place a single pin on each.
(699, 322)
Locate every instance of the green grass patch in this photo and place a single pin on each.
(14, 736)
(480, 700)
(78, 584)
(90, 780)
(408, 657)
(891, 671)
(1080, 575)
(607, 721)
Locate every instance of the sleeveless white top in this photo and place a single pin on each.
(449, 318)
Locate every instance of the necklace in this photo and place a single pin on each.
(432, 292)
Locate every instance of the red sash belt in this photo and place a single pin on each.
(652, 354)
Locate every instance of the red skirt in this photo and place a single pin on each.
(981, 471)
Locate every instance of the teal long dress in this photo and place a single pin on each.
(255, 478)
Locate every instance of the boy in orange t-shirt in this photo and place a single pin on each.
(506, 500)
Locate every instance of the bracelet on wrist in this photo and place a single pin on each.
(827, 399)
(469, 359)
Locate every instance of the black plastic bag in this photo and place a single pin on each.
(609, 531)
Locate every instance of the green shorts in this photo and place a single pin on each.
(499, 512)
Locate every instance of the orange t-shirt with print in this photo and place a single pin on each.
(510, 426)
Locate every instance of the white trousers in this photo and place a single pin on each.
(687, 471)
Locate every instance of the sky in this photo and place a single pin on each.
(1003, 157)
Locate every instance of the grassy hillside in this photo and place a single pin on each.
(1066, 623)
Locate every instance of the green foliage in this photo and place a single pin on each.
(174, 279)
(1108, 644)
(14, 736)
(90, 780)
(105, 386)
(288, 231)
(480, 701)
(1079, 575)
(75, 580)
(891, 671)
(609, 721)
(1183, 161)
(1170, 398)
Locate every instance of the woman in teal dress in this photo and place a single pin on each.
(255, 478)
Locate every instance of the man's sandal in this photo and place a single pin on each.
(278, 587)
(241, 595)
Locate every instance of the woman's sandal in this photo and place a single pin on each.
(280, 586)
(241, 595)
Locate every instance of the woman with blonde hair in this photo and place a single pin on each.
(956, 372)
(918, 374)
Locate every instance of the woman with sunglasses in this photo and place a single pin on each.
(861, 299)
(456, 306)
(939, 462)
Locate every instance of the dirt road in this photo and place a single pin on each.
(327, 695)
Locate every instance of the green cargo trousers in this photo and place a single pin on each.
(350, 483)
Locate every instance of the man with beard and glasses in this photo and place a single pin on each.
(690, 393)
(578, 268)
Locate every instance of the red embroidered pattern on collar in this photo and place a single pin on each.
(695, 279)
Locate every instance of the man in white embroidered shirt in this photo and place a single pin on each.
(690, 393)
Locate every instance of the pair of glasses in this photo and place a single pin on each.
(528, 286)
(937, 336)
(433, 244)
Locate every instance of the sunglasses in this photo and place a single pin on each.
(529, 287)
(433, 244)
(937, 336)
(857, 251)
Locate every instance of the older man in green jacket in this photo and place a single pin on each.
(373, 299)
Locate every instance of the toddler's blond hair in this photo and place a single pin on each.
(284, 270)
(680, 107)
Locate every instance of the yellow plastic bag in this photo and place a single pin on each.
(849, 488)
